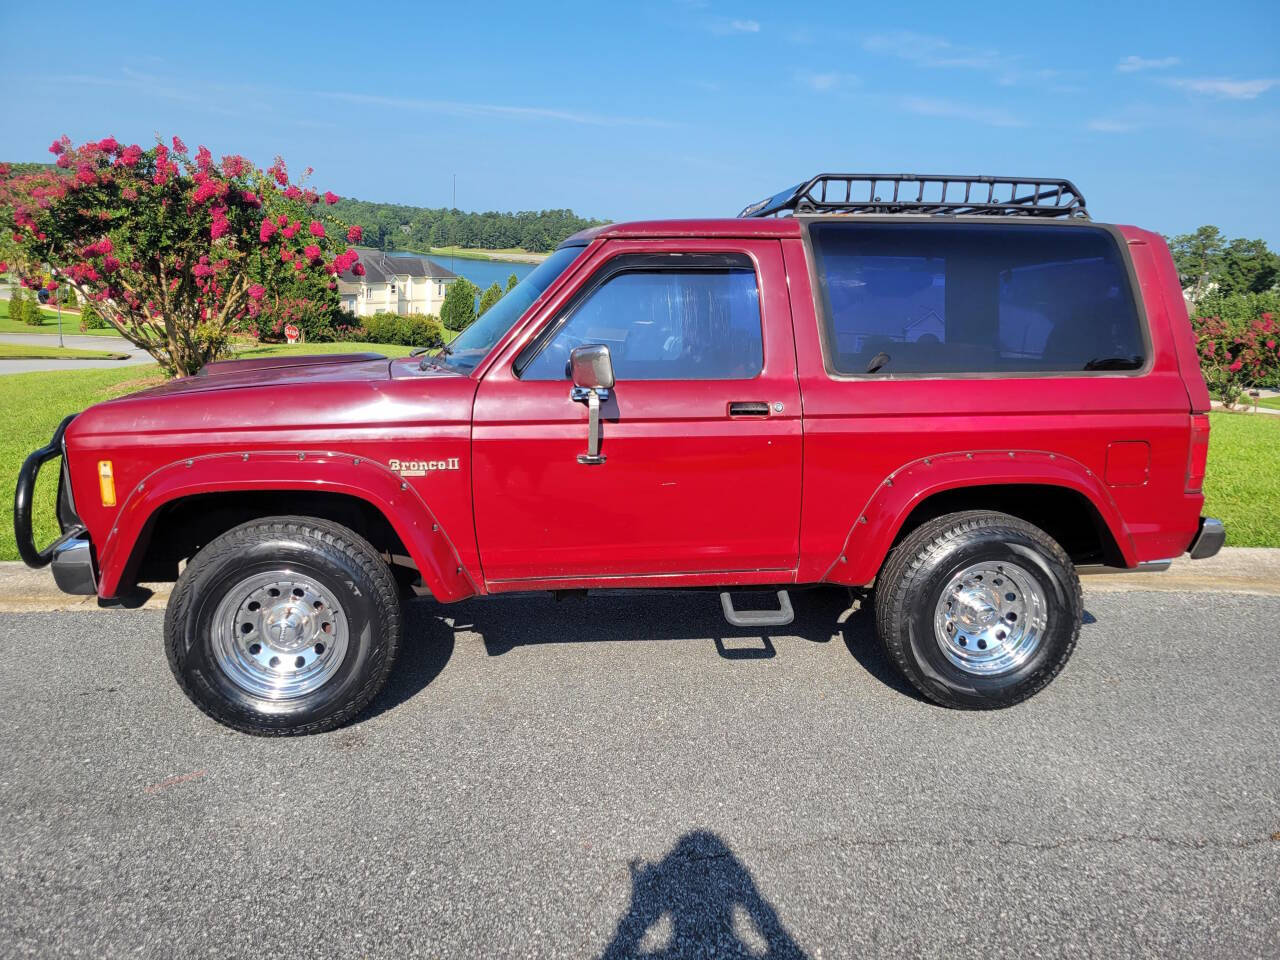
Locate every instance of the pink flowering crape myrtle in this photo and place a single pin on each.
(177, 252)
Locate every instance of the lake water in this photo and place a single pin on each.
(481, 272)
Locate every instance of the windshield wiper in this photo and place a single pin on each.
(1114, 363)
(440, 354)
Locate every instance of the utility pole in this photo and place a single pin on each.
(452, 260)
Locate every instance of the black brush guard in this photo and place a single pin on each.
(22, 499)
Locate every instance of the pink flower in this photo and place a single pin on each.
(220, 228)
(355, 234)
(286, 254)
(292, 230)
(280, 172)
(56, 147)
(282, 220)
(108, 145)
(63, 161)
(268, 228)
(331, 198)
(130, 155)
(178, 145)
(257, 291)
(1235, 367)
(1271, 344)
(234, 165)
(110, 264)
(316, 228)
(251, 198)
(311, 252)
(358, 269)
(4, 267)
(204, 159)
(292, 192)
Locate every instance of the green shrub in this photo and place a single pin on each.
(15, 303)
(31, 315)
(459, 307)
(91, 319)
(410, 330)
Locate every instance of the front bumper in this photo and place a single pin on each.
(1209, 538)
(71, 555)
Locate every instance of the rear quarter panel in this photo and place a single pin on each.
(862, 432)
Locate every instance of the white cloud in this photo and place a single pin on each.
(952, 110)
(1132, 64)
(826, 82)
(728, 27)
(1227, 88)
(930, 51)
(459, 108)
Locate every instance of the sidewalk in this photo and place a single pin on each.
(1253, 570)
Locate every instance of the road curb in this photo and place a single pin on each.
(1251, 570)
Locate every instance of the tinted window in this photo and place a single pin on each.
(950, 298)
(664, 324)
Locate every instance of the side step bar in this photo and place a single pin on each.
(758, 618)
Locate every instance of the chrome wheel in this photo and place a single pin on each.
(279, 635)
(990, 618)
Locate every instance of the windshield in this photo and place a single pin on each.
(474, 343)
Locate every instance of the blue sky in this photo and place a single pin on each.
(1166, 115)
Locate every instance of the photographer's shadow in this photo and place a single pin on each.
(698, 901)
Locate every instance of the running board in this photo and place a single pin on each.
(758, 618)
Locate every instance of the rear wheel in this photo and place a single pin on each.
(282, 626)
(979, 609)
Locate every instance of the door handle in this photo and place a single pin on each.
(592, 397)
(748, 408)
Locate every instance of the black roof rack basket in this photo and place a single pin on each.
(926, 194)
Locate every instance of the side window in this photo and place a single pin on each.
(686, 323)
(975, 298)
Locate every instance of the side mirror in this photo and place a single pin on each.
(591, 367)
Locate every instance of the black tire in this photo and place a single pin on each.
(335, 558)
(911, 584)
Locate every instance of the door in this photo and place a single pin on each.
(700, 437)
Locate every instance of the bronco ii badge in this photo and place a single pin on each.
(420, 468)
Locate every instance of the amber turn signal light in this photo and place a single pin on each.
(106, 483)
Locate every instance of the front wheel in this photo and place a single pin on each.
(979, 609)
(284, 626)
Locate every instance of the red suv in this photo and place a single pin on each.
(957, 390)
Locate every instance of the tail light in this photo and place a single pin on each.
(1198, 455)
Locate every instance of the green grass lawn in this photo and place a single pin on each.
(1272, 403)
(476, 253)
(18, 351)
(301, 349)
(70, 323)
(1242, 487)
(1242, 483)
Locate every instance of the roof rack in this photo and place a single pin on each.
(929, 194)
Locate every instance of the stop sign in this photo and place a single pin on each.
(291, 333)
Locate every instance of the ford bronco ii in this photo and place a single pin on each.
(957, 391)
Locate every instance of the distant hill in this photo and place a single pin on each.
(395, 226)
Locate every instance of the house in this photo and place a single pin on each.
(403, 284)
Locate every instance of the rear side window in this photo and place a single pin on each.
(696, 323)
(975, 298)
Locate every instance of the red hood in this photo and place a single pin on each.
(278, 371)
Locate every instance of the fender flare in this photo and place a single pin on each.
(404, 509)
(877, 525)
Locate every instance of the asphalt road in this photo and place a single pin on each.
(604, 776)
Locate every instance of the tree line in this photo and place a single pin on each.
(396, 226)
(1208, 262)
